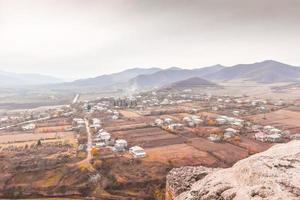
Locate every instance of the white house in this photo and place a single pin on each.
(137, 152)
(274, 137)
(174, 127)
(236, 113)
(120, 145)
(158, 122)
(168, 121)
(165, 102)
(115, 117)
(214, 138)
(231, 130)
(221, 121)
(104, 136)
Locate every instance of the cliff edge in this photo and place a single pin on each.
(273, 174)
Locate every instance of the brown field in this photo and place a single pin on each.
(180, 154)
(129, 114)
(126, 127)
(224, 152)
(252, 145)
(26, 137)
(283, 119)
(47, 129)
(148, 137)
(128, 121)
(54, 122)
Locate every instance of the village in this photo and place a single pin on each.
(117, 146)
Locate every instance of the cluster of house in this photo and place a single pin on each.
(192, 121)
(115, 114)
(166, 101)
(103, 139)
(96, 124)
(28, 127)
(5, 119)
(14, 118)
(268, 134)
(258, 105)
(104, 106)
(168, 124)
(228, 134)
(223, 120)
(78, 123)
(125, 102)
(174, 102)
(100, 106)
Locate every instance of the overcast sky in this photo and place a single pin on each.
(83, 38)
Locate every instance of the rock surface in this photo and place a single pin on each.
(273, 174)
(181, 179)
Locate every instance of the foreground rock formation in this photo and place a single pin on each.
(273, 174)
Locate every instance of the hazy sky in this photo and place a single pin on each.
(82, 38)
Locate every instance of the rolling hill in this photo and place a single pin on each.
(110, 79)
(192, 82)
(268, 71)
(15, 79)
(265, 72)
(171, 75)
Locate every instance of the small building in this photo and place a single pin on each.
(274, 137)
(214, 138)
(168, 121)
(268, 128)
(96, 121)
(120, 145)
(115, 117)
(214, 108)
(104, 136)
(221, 121)
(100, 144)
(137, 152)
(28, 127)
(279, 103)
(261, 136)
(295, 136)
(158, 122)
(192, 121)
(165, 102)
(79, 122)
(231, 131)
(274, 131)
(228, 135)
(174, 127)
(236, 113)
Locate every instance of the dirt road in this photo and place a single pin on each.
(89, 141)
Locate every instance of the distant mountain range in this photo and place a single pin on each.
(16, 79)
(266, 72)
(110, 80)
(171, 75)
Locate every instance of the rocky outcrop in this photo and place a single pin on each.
(273, 174)
(181, 179)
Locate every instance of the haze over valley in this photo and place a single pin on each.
(150, 100)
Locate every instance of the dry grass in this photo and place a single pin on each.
(180, 154)
(50, 179)
(129, 114)
(282, 119)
